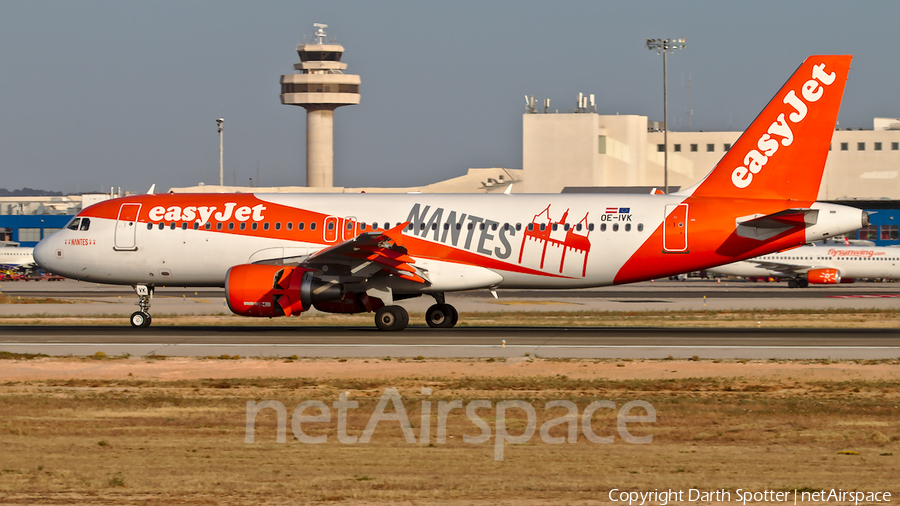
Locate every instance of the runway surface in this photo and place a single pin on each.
(458, 342)
(663, 295)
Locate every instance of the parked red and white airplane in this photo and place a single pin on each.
(281, 254)
(820, 265)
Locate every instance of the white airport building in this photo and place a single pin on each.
(586, 149)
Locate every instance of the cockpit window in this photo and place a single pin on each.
(73, 225)
(85, 224)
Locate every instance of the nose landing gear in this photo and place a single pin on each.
(141, 318)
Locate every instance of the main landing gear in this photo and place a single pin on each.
(798, 283)
(441, 316)
(391, 318)
(396, 318)
(141, 318)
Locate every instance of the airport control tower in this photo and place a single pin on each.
(320, 87)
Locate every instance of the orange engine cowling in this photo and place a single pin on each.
(823, 277)
(275, 290)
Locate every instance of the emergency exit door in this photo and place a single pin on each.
(675, 238)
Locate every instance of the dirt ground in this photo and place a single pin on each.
(181, 368)
(174, 430)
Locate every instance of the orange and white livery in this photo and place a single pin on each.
(820, 264)
(281, 254)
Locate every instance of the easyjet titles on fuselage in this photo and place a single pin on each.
(203, 213)
(754, 160)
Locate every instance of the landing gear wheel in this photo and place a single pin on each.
(441, 316)
(792, 284)
(140, 319)
(803, 282)
(454, 317)
(391, 318)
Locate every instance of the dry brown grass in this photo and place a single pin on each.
(132, 440)
(10, 299)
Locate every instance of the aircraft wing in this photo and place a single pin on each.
(367, 255)
(781, 268)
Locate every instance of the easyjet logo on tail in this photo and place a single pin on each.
(779, 132)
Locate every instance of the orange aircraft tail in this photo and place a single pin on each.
(782, 153)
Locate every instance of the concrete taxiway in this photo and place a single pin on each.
(458, 342)
(726, 343)
(663, 295)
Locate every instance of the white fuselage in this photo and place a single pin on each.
(13, 257)
(849, 261)
(490, 240)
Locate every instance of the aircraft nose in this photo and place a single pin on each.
(44, 253)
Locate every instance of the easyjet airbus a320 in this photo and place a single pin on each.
(282, 254)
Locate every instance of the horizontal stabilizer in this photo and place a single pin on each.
(763, 227)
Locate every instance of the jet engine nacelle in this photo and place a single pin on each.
(823, 277)
(275, 290)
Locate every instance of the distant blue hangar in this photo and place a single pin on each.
(28, 229)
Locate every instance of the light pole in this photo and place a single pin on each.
(664, 46)
(221, 123)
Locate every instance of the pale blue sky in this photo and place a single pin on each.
(96, 94)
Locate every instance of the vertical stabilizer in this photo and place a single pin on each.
(782, 153)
